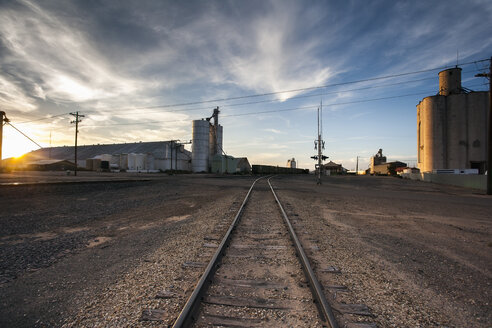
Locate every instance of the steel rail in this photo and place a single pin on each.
(314, 284)
(186, 317)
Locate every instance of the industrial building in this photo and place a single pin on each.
(207, 154)
(291, 163)
(140, 156)
(380, 166)
(452, 127)
(332, 168)
(207, 143)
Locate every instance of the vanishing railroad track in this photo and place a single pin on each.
(260, 275)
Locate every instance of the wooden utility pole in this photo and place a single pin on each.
(357, 166)
(76, 121)
(3, 118)
(489, 142)
(320, 162)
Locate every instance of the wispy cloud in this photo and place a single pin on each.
(56, 60)
(273, 131)
(111, 60)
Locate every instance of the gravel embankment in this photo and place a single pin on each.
(98, 254)
(419, 255)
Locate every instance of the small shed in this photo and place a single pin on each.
(388, 168)
(50, 165)
(332, 168)
(224, 164)
(243, 165)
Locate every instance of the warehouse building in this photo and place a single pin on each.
(452, 127)
(379, 165)
(140, 156)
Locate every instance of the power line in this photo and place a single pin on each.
(24, 135)
(274, 100)
(308, 88)
(276, 110)
(127, 113)
(44, 118)
(279, 92)
(271, 111)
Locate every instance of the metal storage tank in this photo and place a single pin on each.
(291, 163)
(200, 146)
(132, 161)
(139, 161)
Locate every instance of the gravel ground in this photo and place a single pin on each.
(417, 254)
(128, 254)
(96, 255)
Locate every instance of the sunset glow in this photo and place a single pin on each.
(143, 73)
(15, 144)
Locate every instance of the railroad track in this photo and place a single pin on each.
(260, 275)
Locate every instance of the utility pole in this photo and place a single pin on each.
(76, 121)
(489, 142)
(50, 146)
(357, 166)
(176, 145)
(319, 144)
(173, 145)
(3, 120)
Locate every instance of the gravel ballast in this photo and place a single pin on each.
(128, 254)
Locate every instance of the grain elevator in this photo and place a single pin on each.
(206, 142)
(452, 126)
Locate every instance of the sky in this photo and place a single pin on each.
(143, 70)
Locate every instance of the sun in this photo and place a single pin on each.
(15, 144)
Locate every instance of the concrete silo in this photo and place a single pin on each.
(206, 143)
(452, 127)
(200, 146)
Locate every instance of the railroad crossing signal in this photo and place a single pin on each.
(319, 145)
(323, 157)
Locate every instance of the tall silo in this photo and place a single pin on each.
(215, 142)
(219, 139)
(200, 146)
